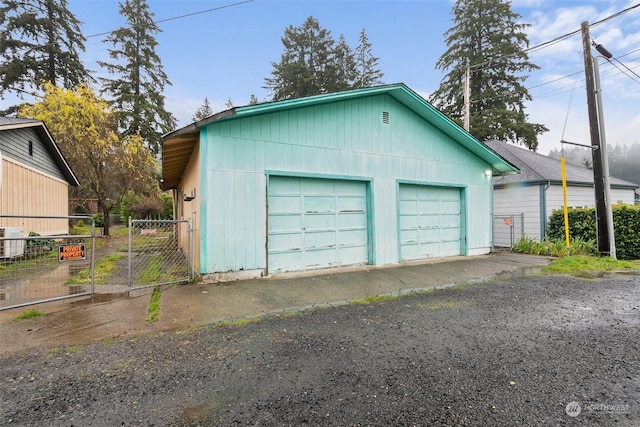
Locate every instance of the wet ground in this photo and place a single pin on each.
(115, 313)
(516, 350)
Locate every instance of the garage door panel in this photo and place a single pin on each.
(429, 221)
(331, 224)
(356, 237)
(318, 204)
(320, 239)
(428, 206)
(285, 185)
(317, 186)
(279, 242)
(352, 219)
(286, 222)
(286, 204)
(318, 221)
(351, 203)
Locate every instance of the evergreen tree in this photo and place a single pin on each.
(136, 90)
(229, 103)
(366, 64)
(203, 112)
(253, 100)
(307, 65)
(488, 37)
(40, 41)
(345, 66)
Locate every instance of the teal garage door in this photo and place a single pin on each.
(429, 221)
(316, 223)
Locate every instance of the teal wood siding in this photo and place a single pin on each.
(333, 140)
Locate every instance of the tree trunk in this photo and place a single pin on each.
(106, 221)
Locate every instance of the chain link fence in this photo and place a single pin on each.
(37, 268)
(159, 252)
(507, 229)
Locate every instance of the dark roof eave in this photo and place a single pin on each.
(559, 182)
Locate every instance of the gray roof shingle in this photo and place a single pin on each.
(536, 167)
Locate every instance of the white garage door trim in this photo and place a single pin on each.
(430, 221)
(316, 223)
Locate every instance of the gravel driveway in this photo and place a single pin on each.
(516, 351)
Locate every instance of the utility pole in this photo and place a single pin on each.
(602, 227)
(603, 152)
(467, 101)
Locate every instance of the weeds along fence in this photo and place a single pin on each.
(160, 252)
(507, 229)
(41, 261)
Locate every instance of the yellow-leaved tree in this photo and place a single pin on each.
(85, 129)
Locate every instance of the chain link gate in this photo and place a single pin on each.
(159, 252)
(507, 230)
(38, 268)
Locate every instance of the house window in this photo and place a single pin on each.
(31, 148)
(385, 117)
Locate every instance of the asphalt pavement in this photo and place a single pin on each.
(112, 314)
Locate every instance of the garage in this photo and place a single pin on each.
(316, 223)
(429, 221)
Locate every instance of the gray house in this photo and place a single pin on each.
(35, 178)
(522, 203)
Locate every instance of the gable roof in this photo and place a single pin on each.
(538, 168)
(178, 145)
(12, 123)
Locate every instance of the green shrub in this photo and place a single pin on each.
(582, 226)
(98, 219)
(79, 224)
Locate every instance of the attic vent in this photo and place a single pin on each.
(385, 117)
(31, 148)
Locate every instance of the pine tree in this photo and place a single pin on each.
(345, 66)
(366, 64)
(203, 112)
(40, 41)
(488, 37)
(253, 100)
(136, 90)
(229, 103)
(307, 65)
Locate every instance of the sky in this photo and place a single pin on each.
(225, 49)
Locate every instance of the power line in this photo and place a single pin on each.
(553, 41)
(174, 18)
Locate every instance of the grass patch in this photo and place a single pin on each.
(66, 350)
(577, 265)
(103, 270)
(151, 272)
(154, 306)
(29, 314)
(373, 299)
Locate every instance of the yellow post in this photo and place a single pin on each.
(564, 195)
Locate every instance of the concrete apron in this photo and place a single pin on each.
(193, 305)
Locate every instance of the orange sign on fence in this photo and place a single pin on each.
(71, 252)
